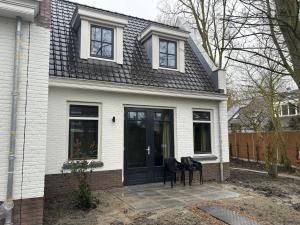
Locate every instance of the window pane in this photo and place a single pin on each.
(171, 61)
(292, 109)
(106, 50)
(132, 115)
(200, 115)
(162, 141)
(202, 141)
(83, 139)
(107, 35)
(96, 48)
(163, 59)
(136, 142)
(96, 33)
(141, 115)
(83, 111)
(171, 48)
(163, 46)
(284, 110)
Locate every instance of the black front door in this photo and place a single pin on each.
(149, 138)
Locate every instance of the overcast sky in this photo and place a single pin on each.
(146, 9)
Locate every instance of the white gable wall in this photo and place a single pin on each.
(35, 145)
(112, 138)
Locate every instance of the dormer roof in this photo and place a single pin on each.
(164, 31)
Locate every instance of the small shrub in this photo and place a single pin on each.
(80, 170)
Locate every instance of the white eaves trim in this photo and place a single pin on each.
(96, 16)
(132, 89)
(26, 9)
(163, 32)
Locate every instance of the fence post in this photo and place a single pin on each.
(248, 157)
(238, 150)
(257, 153)
(253, 147)
(230, 150)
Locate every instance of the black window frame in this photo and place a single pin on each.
(204, 121)
(101, 42)
(81, 118)
(167, 53)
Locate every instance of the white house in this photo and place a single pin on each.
(120, 91)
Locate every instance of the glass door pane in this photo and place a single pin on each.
(137, 139)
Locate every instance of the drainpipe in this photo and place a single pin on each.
(220, 143)
(9, 204)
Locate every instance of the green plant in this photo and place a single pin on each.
(80, 171)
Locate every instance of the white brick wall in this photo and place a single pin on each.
(35, 147)
(112, 104)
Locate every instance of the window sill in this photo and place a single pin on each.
(92, 164)
(204, 157)
(167, 68)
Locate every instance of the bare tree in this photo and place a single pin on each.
(268, 85)
(270, 30)
(211, 21)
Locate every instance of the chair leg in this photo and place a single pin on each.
(201, 176)
(175, 178)
(183, 177)
(190, 177)
(171, 182)
(164, 175)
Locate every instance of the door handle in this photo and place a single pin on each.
(148, 150)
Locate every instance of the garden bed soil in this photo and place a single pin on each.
(237, 163)
(263, 199)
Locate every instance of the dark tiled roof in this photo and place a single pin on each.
(136, 68)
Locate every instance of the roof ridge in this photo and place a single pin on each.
(121, 14)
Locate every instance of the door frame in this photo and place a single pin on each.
(150, 163)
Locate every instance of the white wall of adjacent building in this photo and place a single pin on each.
(33, 165)
(112, 134)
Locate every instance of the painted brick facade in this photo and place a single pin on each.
(31, 144)
(112, 134)
(37, 98)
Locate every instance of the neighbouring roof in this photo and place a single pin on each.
(136, 68)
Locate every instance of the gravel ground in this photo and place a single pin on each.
(263, 199)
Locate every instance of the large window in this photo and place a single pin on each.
(83, 132)
(167, 54)
(102, 42)
(202, 132)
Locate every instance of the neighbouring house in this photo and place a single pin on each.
(120, 91)
(245, 115)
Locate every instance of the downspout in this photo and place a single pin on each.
(9, 204)
(220, 143)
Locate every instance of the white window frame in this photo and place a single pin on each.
(99, 152)
(288, 108)
(211, 130)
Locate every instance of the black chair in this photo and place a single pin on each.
(171, 165)
(191, 166)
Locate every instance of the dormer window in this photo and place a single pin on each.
(167, 54)
(164, 46)
(102, 42)
(100, 34)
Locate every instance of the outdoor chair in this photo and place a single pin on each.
(171, 165)
(191, 166)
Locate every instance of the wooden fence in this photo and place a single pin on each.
(248, 146)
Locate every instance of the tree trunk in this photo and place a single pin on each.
(287, 14)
